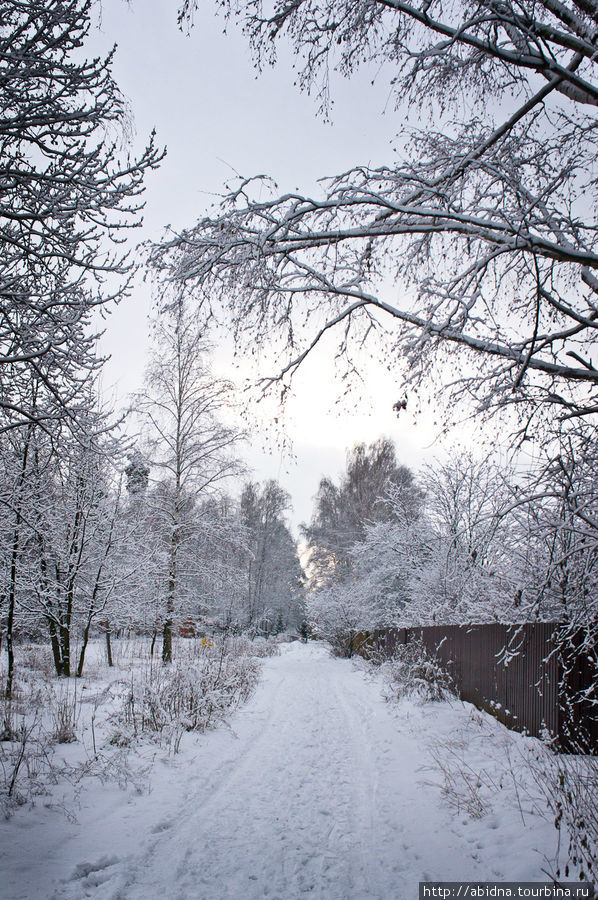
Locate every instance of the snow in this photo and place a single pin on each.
(317, 786)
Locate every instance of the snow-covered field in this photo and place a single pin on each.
(316, 786)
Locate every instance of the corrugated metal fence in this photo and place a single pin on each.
(519, 673)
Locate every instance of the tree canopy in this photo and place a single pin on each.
(68, 195)
(343, 511)
(481, 237)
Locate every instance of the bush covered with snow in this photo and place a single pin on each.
(165, 701)
(38, 718)
(415, 672)
(58, 732)
(260, 647)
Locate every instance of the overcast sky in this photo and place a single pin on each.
(218, 117)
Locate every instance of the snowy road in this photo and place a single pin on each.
(316, 789)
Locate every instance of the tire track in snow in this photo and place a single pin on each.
(183, 836)
(237, 757)
(357, 716)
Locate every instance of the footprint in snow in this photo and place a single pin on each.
(84, 869)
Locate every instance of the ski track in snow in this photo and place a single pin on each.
(315, 789)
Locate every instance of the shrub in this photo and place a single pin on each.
(414, 671)
(186, 696)
(569, 785)
(64, 715)
(260, 647)
(25, 761)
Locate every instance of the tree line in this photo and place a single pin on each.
(100, 535)
(457, 542)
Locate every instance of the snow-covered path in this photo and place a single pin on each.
(315, 789)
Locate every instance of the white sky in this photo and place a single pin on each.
(217, 116)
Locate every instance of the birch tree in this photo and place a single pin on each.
(192, 451)
(273, 571)
(343, 511)
(68, 574)
(221, 548)
(69, 195)
(14, 497)
(62, 524)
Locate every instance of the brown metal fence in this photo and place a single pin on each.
(519, 673)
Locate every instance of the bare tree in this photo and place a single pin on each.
(471, 574)
(342, 512)
(220, 548)
(472, 258)
(448, 557)
(69, 194)
(557, 545)
(70, 526)
(15, 493)
(191, 447)
(487, 217)
(61, 526)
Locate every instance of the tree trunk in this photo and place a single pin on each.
(109, 645)
(10, 618)
(12, 587)
(64, 635)
(55, 647)
(169, 621)
(351, 639)
(9, 646)
(167, 642)
(84, 647)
